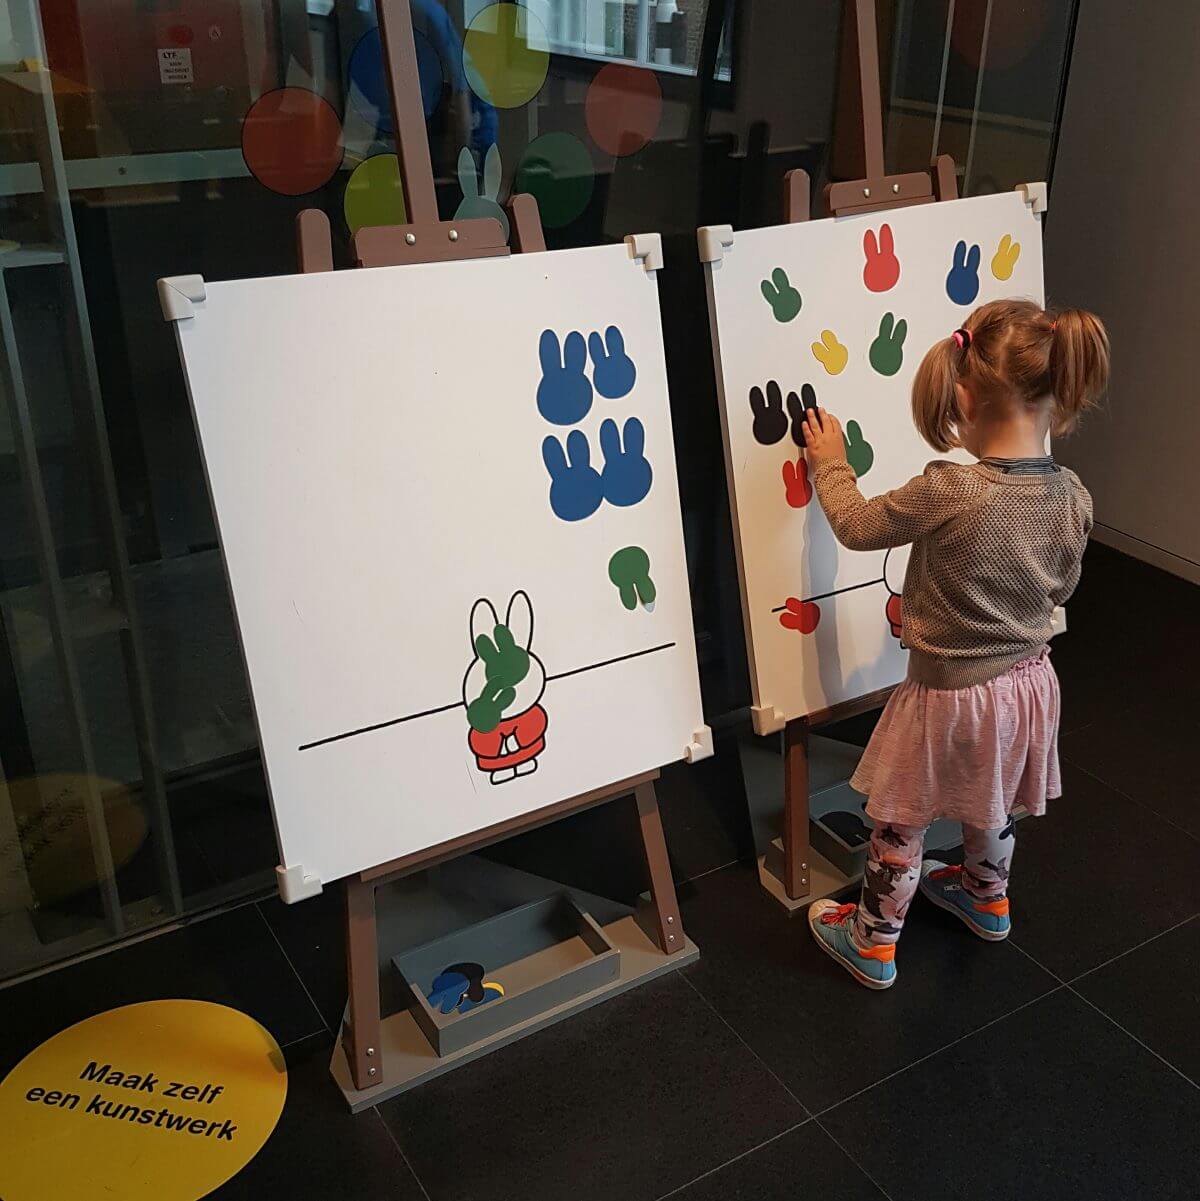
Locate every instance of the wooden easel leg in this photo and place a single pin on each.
(795, 809)
(662, 887)
(362, 974)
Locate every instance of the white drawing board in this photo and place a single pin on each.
(401, 460)
(846, 307)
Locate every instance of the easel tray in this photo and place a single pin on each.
(542, 955)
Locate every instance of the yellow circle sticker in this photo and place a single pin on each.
(161, 1101)
(506, 55)
(374, 195)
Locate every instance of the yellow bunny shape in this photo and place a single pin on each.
(830, 353)
(1005, 258)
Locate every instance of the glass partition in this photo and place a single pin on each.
(142, 138)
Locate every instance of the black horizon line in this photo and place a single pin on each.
(396, 721)
(835, 592)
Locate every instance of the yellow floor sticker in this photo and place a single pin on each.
(161, 1101)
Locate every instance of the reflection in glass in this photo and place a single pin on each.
(131, 789)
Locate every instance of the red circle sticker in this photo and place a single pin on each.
(291, 141)
(623, 108)
(180, 35)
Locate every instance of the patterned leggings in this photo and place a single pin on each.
(894, 871)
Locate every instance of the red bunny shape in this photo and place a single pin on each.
(795, 480)
(882, 269)
(803, 616)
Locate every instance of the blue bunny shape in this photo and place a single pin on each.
(576, 488)
(962, 284)
(613, 372)
(564, 395)
(627, 474)
(448, 990)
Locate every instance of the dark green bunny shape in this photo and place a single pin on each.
(778, 292)
(505, 665)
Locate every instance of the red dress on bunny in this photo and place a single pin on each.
(527, 729)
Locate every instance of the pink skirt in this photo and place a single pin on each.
(968, 754)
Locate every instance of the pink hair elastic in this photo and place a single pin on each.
(962, 338)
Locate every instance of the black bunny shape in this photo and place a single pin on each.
(770, 421)
(798, 406)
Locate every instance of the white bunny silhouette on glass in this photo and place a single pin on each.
(502, 690)
(474, 204)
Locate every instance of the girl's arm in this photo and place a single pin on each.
(1065, 590)
(1070, 581)
(894, 519)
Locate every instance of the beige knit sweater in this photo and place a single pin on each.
(992, 554)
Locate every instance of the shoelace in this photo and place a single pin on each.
(838, 916)
(944, 873)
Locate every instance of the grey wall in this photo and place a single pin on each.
(1123, 239)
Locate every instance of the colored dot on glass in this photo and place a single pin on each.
(292, 141)
(373, 194)
(1009, 32)
(623, 108)
(506, 55)
(368, 83)
(556, 169)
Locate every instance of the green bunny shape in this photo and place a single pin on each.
(629, 570)
(505, 665)
(784, 300)
(858, 450)
(887, 351)
(485, 711)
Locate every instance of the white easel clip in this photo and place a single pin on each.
(177, 293)
(701, 746)
(766, 719)
(1058, 621)
(295, 884)
(713, 241)
(1036, 195)
(646, 249)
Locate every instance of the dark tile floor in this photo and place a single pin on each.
(1065, 1063)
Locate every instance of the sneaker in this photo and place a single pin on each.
(942, 884)
(833, 928)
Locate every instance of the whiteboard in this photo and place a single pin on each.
(823, 624)
(378, 446)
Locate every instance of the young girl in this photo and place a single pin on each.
(996, 545)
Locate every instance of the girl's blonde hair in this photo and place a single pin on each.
(1016, 351)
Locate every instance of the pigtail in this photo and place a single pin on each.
(1079, 362)
(934, 399)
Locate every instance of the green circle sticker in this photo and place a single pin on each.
(556, 169)
(506, 54)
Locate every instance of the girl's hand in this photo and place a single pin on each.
(823, 439)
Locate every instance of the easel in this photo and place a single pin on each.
(874, 192)
(368, 1061)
